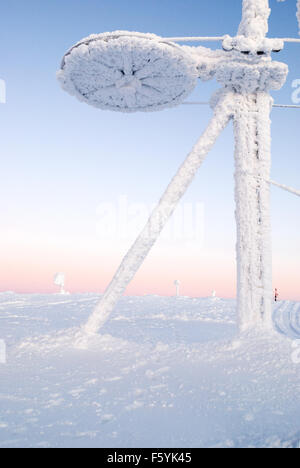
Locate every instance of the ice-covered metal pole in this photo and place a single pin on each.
(254, 252)
(255, 19)
(161, 214)
(252, 127)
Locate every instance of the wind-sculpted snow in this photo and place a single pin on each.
(164, 372)
(286, 318)
(128, 72)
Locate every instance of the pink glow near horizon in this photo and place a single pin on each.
(88, 272)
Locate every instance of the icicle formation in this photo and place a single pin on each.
(175, 191)
(128, 72)
(286, 320)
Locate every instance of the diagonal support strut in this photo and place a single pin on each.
(161, 214)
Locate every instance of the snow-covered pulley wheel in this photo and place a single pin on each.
(128, 72)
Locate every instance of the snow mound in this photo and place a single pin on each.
(69, 339)
(287, 319)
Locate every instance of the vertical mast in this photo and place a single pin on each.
(255, 19)
(252, 128)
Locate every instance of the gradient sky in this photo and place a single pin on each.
(61, 160)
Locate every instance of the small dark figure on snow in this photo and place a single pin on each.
(276, 295)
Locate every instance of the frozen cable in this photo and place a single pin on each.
(217, 39)
(276, 184)
(285, 187)
(192, 39)
(203, 103)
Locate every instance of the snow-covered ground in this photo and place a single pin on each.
(165, 372)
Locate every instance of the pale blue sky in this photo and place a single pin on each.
(61, 158)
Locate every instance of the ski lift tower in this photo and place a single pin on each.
(130, 72)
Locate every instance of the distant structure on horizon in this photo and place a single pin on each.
(177, 286)
(59, 280)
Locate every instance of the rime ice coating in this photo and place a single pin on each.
(254, 252)
(255, 18)
(251, 77)
(128, 72)
(131, 72)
